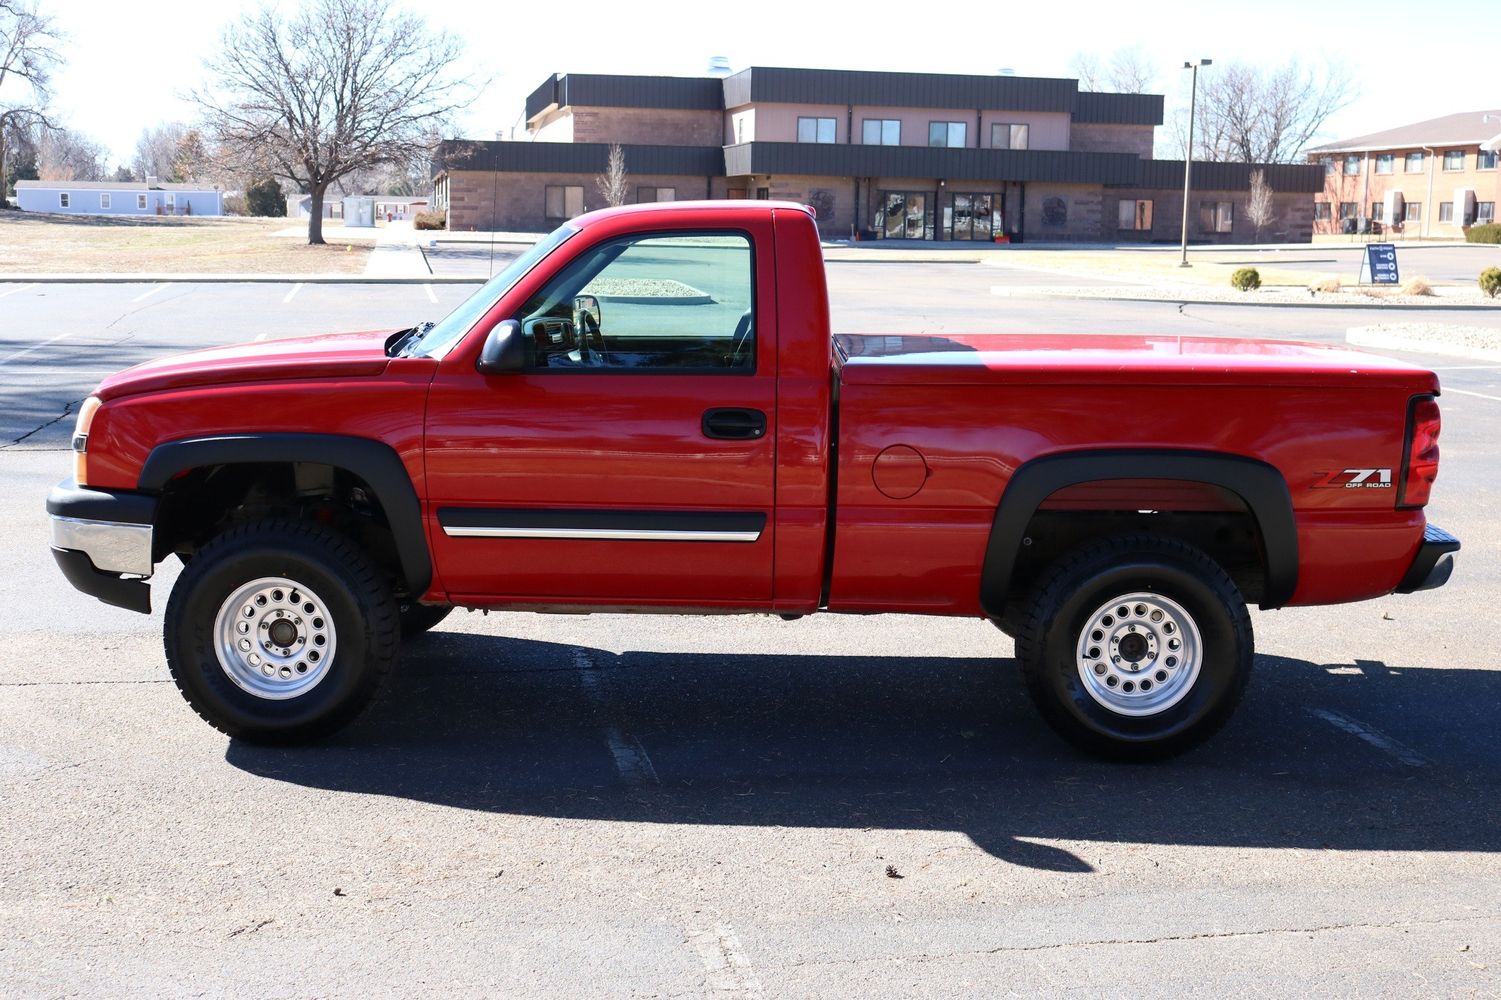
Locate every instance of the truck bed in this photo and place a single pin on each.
(979, 359)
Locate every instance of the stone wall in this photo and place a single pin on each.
(1087, 137)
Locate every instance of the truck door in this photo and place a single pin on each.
(632, 461)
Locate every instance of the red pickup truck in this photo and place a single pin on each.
(647, 412)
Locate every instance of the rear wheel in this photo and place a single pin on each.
(280, 632)
(1135, 648)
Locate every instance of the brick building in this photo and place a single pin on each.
(881, 155)
(1430, 179)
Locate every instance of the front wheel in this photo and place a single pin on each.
(280, 632)
(1136, 648)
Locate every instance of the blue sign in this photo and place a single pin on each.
(1379, 267)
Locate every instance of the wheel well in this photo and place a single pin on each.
(1208, 517)
(201, 503)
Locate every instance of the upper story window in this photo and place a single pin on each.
(815, 130)
(1485, 159)
(1005, 136)
(1352, 165)
(1328, 165)
(1414, 163)
(946, 134)
(1384, 163)
(1454, 159)
(881, 132)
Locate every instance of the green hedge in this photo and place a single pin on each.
(1490, 232)
(1246, 278)
(1490, 281)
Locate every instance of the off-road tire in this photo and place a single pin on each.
(1064, 607)
(362, 616)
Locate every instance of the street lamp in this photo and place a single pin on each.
(1188, 154)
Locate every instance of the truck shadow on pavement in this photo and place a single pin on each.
(912, 742)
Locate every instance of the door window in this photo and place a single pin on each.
(672, 302)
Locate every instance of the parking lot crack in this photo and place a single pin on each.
(68, 411)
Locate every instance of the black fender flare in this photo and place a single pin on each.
(1260, 486)
(373, 461)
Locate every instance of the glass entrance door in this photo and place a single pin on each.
(974, 217)
(905, 215)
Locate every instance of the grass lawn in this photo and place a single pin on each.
(38, 243)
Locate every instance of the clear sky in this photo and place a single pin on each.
(127, 65)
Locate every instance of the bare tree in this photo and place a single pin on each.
(71, 156)
(1086, 66)
(338, 86)
(28, 55)
(1128, 70)
(1259, 206)
(1250, 114)
(156, 151)
(612, 183)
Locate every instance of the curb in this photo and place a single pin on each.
(108, 278)
(1365, 336)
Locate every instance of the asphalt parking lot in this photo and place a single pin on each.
(667, 806)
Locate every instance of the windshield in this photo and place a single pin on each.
(442, 335)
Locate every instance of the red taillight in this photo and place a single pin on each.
(1420, 463)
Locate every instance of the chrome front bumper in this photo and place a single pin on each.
(104, 542)
(112, 546)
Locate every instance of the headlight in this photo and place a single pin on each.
(81, 440)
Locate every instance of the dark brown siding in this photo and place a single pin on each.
(1290, 177)
(1118, 109)
(902, 90)
(593, 90)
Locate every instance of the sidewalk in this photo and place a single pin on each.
(396, 254)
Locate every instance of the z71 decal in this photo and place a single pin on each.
(1355, 479)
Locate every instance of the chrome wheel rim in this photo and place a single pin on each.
(1139, 654)
(274, 638)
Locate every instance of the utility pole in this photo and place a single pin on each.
(1188, 154)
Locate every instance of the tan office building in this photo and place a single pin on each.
(1431, 179)
(916, 156)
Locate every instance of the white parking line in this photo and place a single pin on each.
(153, 291)
(21, 288)
(1380, 741)
(631, 761)
(260, 337)
(430, 296)
(1466, 392)
(728, 969)
(295, 289)
(34, 347)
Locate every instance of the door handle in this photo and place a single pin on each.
(733, 424)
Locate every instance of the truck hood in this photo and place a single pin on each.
(341, 355)
(1083, 359)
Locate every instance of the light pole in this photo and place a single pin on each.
(1188, 154)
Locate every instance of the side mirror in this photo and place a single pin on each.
(586, 316)
(504, 350)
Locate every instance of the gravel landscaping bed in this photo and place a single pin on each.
(1445, 338)
(1262, 296)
